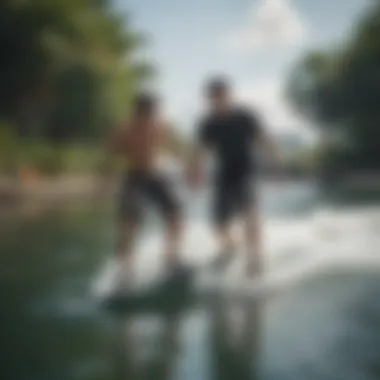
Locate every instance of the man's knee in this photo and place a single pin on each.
(127, 232)
(174, 220)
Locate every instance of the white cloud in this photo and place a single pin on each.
(268, 98)
(271, 22)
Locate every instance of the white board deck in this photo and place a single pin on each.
(353, 241)
(206, 289)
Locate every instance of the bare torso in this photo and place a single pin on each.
(140, 144)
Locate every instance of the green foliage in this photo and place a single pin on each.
(340, 90)
(69, 67)
(8, 149)
(44, 157)
(50, 160)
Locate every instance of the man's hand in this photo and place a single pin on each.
(271, 150)
(195, 175)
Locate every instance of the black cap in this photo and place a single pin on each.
(145, 102)
(217, 85)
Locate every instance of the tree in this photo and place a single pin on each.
(68, 67)
(340, 89)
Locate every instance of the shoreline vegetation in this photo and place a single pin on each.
(75, 78)
(29, 187)
(45, 189)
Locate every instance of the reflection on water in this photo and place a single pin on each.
(232, 345)
(323, 328)
(236, 347)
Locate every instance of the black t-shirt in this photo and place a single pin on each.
(231, 136)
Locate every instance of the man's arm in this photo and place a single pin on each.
(265, 142)
(270, 149)
(196, 165)
(269, 146)
(198, 156)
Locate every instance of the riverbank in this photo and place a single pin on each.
(52, 189)
(82, 187)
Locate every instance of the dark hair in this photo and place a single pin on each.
(145, 103)
(217, 85)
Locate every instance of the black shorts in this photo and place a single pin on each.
(139, 188)
(232, 197)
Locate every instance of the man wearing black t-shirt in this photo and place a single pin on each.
(232, 134)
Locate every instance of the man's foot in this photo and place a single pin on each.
(123, 280)
(178, 274)
(223, 259)
(123, 285)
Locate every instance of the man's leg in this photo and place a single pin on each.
(223, 210)
(125, 243)
(253, 233)
(129, 221)
(245, 204)
(173, 240)
(165, 198)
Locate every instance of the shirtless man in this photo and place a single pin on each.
(139, 141)
(232, 133)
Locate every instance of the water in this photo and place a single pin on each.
(322, 321)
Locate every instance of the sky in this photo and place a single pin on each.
(254, 42)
